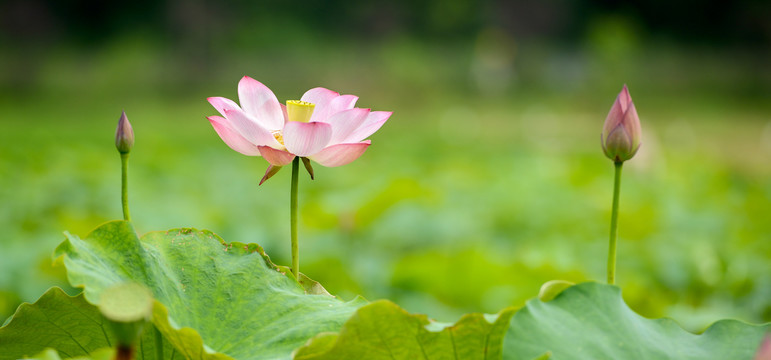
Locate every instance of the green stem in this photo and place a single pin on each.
(614, 225)
(293, 218)
(158, 343)
(124, 186)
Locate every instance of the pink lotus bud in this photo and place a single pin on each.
(621, 132)
(764, 351)
(124, 135)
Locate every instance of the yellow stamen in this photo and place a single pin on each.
(279, 137)
(297, 110)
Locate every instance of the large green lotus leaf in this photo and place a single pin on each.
(591, 321)
(382, 330)
(51, 354)
(220, 300)
(71, 326)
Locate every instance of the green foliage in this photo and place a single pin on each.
(591, 321)
(128, 307)
(220, 301)
(71, 326)
(524, 190)
(51, 354)
(552, 288)
(216, 300)
(585, 321)
(382, 330)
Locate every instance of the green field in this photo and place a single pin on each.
(484, 184)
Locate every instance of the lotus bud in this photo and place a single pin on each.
(124, 135)
(621, 133)
(764, 351)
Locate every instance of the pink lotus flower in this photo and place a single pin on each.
(621, 132)
(322, 126)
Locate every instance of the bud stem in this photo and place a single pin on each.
(293, 218)
(124, 186)
(614, 225)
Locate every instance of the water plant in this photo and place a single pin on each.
(620, 140)
(322, 126)
(189, 294)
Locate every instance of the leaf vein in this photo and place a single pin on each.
(452, 339)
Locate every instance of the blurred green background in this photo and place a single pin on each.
(487, 181)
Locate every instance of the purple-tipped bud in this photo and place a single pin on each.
(621, 133)
(124, 135)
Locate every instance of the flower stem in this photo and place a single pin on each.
(614, 225)
(124, 186)
(293, 218)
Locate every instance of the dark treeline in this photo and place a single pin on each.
(91, 22)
